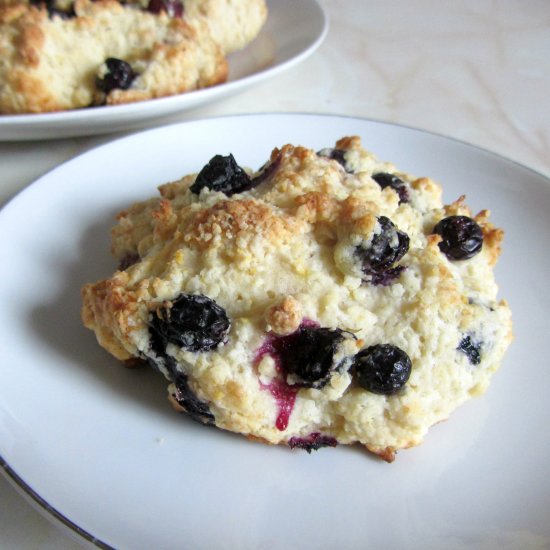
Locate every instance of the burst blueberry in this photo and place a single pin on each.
(192, 322)
(387, 247)
(385, 179)
(462, 237)
(308, 355)
(223, 174)
(382, 368)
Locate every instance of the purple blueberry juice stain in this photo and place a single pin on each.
(272, 345)
(283, 393)
(285, 397)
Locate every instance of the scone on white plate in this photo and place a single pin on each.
(59, 55)
(327, 298)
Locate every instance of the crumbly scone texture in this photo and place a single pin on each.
(232, 23)
(276, 257)
(50, 62)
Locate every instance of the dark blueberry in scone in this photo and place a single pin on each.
(222, 174)
(312, 442)
(180, 392)
(385, 179)
(383, 368)
(119, 75)
(309, 356)
(339, 155)
(462, 237)
(128, 260)
(387, 247)
(192, 321)
(266, 171)
(173, 8)
(53, 10)
(471, 348)
(183, 395)
(387, 277)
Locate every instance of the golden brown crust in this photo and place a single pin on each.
(315, 207)
(104, 303)
(387, 454)
(492, 236)
(229, 221)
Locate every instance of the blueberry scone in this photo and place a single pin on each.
(63, 54)
(325, 299)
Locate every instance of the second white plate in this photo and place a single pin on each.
(293, 31)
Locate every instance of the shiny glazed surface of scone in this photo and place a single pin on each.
(58, 55)
(325, 299)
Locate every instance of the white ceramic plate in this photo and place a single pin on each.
(103, 448)
(293, 31)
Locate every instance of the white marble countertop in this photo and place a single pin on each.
(476, 70)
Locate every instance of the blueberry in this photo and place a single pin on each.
(308, 354)
(128, 260)
(185, 397)
(387, 277)
(383, 368)
(388, 246)
(119, 75)
(312, 442)
(471, 348)
(384, 179)
(223, 174)
(338, 155)
(173, 8)
(193, 322)
(462, 237)
(266, 171)
(53, 10)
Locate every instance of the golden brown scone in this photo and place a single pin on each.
(63, 55)
(326, 299)
(233, 24)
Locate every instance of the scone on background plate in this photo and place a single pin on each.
(59, 55)
(325, 299)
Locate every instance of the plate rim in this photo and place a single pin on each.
(10, 474)
(381, 121)
(43, 507)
